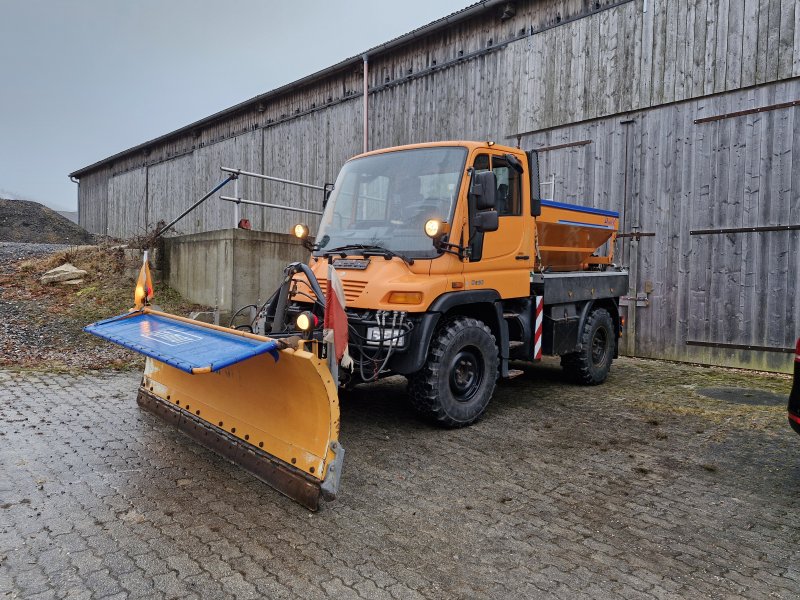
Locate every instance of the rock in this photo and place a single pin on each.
(72, 282)
(65, 272)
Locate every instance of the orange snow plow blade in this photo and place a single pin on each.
(275, 415)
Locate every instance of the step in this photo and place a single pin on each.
(510, 315)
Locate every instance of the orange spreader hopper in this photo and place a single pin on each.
(570, 235)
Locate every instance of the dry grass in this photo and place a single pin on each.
(63, 310)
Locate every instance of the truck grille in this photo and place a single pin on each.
(352, 288)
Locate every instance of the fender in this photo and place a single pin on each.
(610, 304)
(412, 360)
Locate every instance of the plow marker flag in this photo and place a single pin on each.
(335, 323)
(144, 286)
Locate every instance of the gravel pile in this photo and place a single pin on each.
(31, 222)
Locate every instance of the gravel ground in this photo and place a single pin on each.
(13, 252)
(641, 488)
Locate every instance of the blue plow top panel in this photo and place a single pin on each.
(185, 346)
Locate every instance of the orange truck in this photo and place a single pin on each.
(451, 267)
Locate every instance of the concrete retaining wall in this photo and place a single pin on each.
(229, 268)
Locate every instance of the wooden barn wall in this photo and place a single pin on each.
(623, 83)
(669, 177)
(127, 204)
(93, 201)
(170, 189)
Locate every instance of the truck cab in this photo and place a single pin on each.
(446, 254)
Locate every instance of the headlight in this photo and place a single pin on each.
(301, 231)
(432, 227)
(306, 321)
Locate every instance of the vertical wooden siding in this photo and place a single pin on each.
(678, 176)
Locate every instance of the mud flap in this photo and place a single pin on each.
(274, 412)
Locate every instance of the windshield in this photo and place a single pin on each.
(384, 200)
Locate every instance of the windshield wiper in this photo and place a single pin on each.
(368, 250)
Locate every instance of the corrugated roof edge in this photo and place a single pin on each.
(425, 30)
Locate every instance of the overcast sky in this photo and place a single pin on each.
(83, 79)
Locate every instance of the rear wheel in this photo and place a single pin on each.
(590, 366)
(457, 381)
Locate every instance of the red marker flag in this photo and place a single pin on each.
(144, 286)
(335, 317)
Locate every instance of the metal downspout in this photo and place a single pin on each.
(366, 102)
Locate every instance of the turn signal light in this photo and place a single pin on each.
(405, 298)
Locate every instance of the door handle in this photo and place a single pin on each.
(522, 257)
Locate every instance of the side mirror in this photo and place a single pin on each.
(483, 190)
(487, 220)
(327, 190)
(536, 188)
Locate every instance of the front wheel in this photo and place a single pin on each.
(458, 378)
(590, 365)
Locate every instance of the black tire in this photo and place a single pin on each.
(591, 365)
(458, 378)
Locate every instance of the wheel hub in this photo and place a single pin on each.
(466, 374)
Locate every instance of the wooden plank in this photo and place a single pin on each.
(796, 53)
(680, 9)
(793, 285)
(762, 43)
(721, 56)
(748, 298)
(699, 286)
(660, 56)
(749, 43)
(681, 296)
(786, 42)
(783, 198)
(686, 89)
(698, 49)
(627, 20)
(646, 62)
(593, 67)
(773, 40)
(711, 48)
(735, 35)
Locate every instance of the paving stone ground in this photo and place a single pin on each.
(639, 488)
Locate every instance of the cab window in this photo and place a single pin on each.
(509, 183)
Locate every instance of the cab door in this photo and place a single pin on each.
(507, 252)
